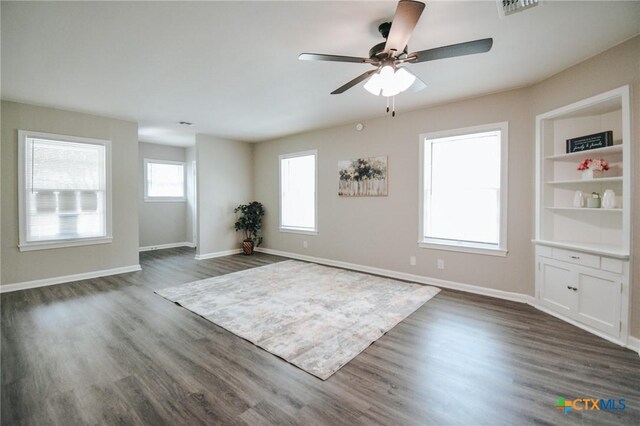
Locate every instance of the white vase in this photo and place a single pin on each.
(578, 199)
(609, 199)
(591, 174)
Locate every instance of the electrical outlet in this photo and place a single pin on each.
(440, 264)
(305, 244)
(412, 260)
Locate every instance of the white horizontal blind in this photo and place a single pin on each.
(298, 192)
(165, 180)
(462, 188)
(65, 190)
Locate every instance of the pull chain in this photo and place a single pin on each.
(393, 105)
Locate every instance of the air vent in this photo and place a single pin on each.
(509, 7)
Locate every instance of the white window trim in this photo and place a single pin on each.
(156, 199)
(25, 245)
(465, 246)
(291, 229)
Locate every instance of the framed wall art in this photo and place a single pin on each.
(362, 177)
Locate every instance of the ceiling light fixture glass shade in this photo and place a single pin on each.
(389, 82)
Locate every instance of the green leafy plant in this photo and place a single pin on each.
(250, 221)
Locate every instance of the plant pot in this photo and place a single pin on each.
(247, 247)
(592, 174)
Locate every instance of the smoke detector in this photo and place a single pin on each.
(509, 7)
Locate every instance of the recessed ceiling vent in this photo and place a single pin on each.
(509, 7)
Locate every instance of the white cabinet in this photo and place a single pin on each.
(588, 295)
(598, 300)
(556, 281)
(583, 254)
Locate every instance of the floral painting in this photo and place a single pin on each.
(364, 177)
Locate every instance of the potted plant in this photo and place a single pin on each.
(250, 223)
(592, 169)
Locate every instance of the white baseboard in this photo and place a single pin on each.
(585, 327)
(632, 342)
(6, 288)
(484, 291)
(166, 246)
(217, 254)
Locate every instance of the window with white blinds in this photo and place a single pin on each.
(64, 197)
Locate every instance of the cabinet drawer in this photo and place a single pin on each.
(576, 257)
(612, 265)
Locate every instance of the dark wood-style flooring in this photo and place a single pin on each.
(110, 351)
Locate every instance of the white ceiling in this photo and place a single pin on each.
(231, 67)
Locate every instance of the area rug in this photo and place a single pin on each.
(315, 317)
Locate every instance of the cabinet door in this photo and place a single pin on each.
(598, 300)
(556, 286)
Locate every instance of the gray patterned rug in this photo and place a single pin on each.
(315, 317)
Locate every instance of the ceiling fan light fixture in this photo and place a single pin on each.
(374, 84)
(389, 82)
(390, 91)
(403, 79)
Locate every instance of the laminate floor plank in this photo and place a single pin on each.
(110, 351)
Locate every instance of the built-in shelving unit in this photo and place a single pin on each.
(583, 254)
(558, 178)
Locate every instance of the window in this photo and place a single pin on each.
(463, 195)
(298, 192)
(164, 180)
(64, 191)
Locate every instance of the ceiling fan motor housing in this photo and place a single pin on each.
(377, 51)
(384, 29)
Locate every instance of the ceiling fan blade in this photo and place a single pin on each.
(460, 49)
(332, 58)
(404, 21)
(353, 82)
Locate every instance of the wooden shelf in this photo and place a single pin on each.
(614, 149)
(586, 209)
(585, 181)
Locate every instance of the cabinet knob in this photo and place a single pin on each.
(569, 287)
(575, 257)
(574, 288)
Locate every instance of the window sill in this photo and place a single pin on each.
(465, 248)
(64, 243)
(165, 200)
(299, 231)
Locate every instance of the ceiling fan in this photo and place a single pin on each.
(390, 77)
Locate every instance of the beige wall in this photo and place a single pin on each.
(224, 170)
(616, 67)
(383, 231)
(161, 222)
(123, 251)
